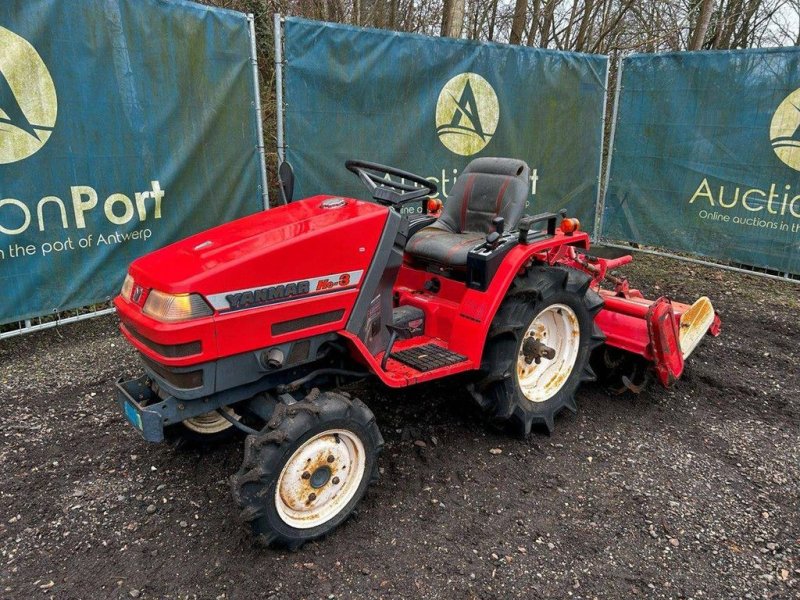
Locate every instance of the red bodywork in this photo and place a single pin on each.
(304, 241)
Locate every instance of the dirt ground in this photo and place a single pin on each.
(691, 492)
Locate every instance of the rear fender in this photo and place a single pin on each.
(477, 309)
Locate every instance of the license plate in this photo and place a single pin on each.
(133, 415)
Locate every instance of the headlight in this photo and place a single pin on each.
(175, 307)
(127, 287)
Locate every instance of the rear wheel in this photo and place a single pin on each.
(305, 473)
(538, 348)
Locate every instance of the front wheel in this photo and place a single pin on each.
(538, 348)
(305, 473)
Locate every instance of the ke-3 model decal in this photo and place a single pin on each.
(282, 292)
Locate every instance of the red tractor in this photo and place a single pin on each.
(254, 325)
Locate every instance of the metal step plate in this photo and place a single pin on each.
(427, 357)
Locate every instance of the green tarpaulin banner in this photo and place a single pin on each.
(706, 156)
(431, 105)
(124, 125)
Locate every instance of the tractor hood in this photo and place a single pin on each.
(315, 237)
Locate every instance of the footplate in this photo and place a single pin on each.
(428, 357)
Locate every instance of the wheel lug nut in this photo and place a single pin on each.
(306, 475)
(330, 458)
(335, 481)
(312, 496)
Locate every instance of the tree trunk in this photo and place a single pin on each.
(583, 28)
(518, 23)
(492, 20)
(547, 24)
(447, 8)
(534, 23)
(701, 27)
(452, 18)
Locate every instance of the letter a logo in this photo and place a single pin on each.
(467, 114)
(785, 130)
(28, 104)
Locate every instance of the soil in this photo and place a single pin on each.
(688, 492)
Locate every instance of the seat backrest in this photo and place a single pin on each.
(487, 188)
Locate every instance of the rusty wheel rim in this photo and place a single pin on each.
(557, 328)
(211, 422)
(320, 478)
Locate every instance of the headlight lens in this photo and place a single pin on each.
(127, 287)
(175, 307)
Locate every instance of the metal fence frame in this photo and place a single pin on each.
(28, 325)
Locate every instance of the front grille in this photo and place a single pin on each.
(185, 381)
(305, 322)
(169, 351)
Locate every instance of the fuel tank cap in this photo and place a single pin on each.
(337, 202)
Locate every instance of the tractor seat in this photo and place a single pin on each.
(487, 188)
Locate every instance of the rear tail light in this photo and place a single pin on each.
(127, 287)
(175, 307)
(570, 226)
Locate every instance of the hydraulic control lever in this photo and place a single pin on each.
(499, 228)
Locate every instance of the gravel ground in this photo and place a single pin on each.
(690, 492)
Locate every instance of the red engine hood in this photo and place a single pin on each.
(291, 242)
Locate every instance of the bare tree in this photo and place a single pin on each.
(452, 18)
(701, 26)
(518, 24)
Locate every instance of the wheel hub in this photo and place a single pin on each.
(320, 478)
(554, 334)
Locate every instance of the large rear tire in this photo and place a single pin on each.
(305, 473)
(548, 310)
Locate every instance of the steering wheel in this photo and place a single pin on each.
(386, 190)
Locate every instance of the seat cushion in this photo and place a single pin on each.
(436, 244)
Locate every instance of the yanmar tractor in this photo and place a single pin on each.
(256, 324)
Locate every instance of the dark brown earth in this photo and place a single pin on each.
(691, 492)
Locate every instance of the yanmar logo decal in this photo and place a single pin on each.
(281, 292)
(28, 103)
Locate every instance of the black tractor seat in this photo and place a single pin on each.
(487, 188)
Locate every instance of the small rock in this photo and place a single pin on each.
(183, 524)
(653, 534)
(495, 451)
(674, 542)
(134, 593)
(151, 509)
(420, 444)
